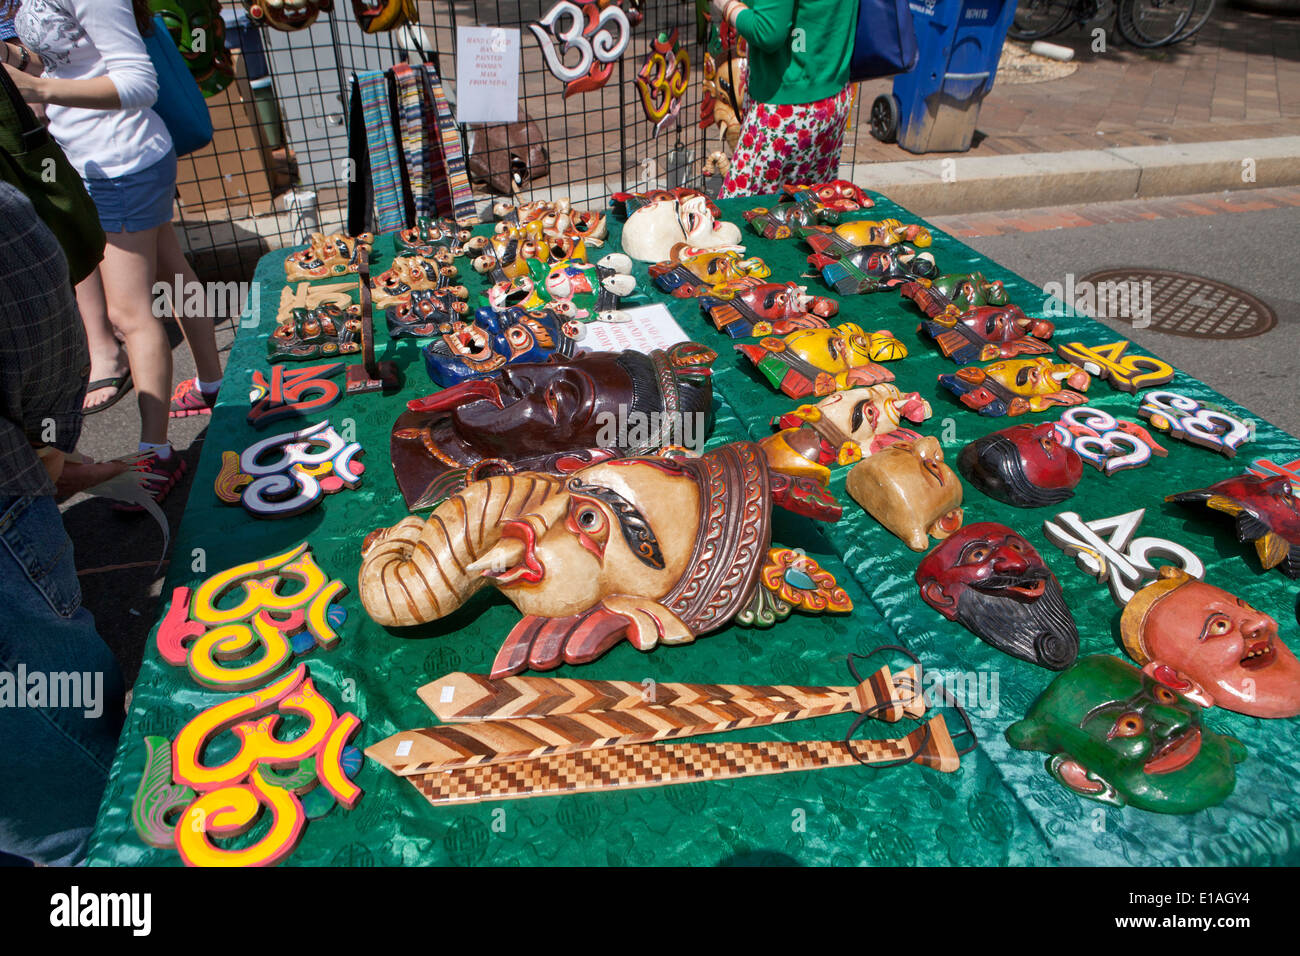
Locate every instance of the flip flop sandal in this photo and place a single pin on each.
(121, 382)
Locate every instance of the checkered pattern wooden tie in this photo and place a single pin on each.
(634, 766)
(626, 717)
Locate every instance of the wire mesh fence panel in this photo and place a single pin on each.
(278, 165)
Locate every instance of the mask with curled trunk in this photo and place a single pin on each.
(650, 549)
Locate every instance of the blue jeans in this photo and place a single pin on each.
(61, 691)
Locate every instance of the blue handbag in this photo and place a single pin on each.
(885, 42)
(180, 102)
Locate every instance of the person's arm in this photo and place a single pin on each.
(21, 58)
(764, 23)
(131, 82)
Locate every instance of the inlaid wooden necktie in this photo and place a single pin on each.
(634, 766)
(462, 697)
(513, 718)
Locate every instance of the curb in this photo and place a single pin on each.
(958, 184)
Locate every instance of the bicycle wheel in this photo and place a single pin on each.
(1153, 23)
(1200, 14)
(1036, 19)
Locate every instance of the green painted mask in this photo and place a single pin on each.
(1119, 737)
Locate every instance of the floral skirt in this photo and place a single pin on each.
(788, 144)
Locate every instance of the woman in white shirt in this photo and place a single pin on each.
(97, 87)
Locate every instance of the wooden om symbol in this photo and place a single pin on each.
(663, 79)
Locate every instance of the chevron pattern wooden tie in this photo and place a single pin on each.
(634, 766)
(460, 697)
(625, 719)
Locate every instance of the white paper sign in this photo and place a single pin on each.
(650, 327)
(487, 75)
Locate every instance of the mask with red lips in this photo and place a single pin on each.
(991, 580)
(1117, 736)
(534, 415)
(1211, 647)
(494, 340)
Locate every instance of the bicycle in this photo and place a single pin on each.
(1142, 23)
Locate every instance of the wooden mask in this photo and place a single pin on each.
(651, 550)
(909, 489)
(1119, 737)
(991, 581)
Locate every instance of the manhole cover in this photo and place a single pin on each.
(1181, 304)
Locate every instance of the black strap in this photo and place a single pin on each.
(360, 192)
(947, 700)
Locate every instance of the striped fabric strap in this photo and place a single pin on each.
(439, 195)
(462, 197)
(411, 121)
(371, 88)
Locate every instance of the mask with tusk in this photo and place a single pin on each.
(650, 550)
(492, 340)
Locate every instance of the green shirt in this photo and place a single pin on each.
(799, 50)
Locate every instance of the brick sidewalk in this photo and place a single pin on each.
(975, 225)
(1239, 79)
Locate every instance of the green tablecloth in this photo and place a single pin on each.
(1000, 808)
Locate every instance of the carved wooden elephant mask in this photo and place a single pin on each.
(654, 550)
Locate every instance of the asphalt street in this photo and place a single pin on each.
(118, 555)
(1253, 251)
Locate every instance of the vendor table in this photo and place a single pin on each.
(1000, 808)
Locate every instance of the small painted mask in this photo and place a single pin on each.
(1024, 465)
(1117, 736)
(990, 580)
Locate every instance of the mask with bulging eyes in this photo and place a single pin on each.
(990, 580)
(1211, 646)
(493, 340)
(1117, 736)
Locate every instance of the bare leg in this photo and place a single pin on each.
(199, 330)
(107, 360)
(130, 264)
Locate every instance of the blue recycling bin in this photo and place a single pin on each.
(934, 108)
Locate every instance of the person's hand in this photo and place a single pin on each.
(717, 9)
(32, 88)
(53, 461)
(80, 475)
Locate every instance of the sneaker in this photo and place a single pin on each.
(189, 399)
(161, 475)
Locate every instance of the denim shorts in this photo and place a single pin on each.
(57, 749)
(137, 201)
